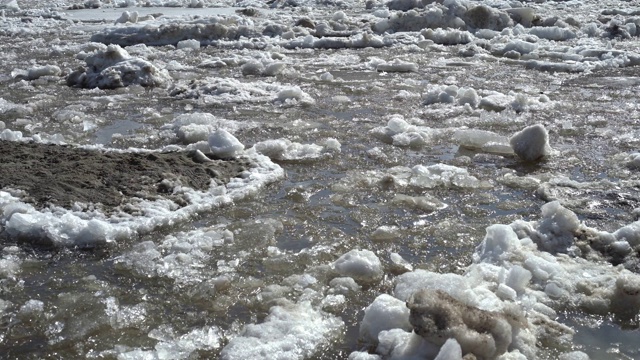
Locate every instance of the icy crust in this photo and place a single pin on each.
(483, 99)
(589, 197)
(196, 127)
(170, 33)
(171, 346)
(234, 30)
(64, 227)
(291, 331)
(113, 67)
(227, 90)
(529, 144)
(517, 34)
(287, 150)
(419, 177)
(504, 305)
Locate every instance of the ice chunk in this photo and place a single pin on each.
(252, 67)
(292, 331)
(399, 344)
(361, 355)
(557, 229)
(397, 65)
(286, 150)
(32, 307)
(189, 44)
(506, 293)
(385, 233)
(497, 245)
(532, 143)
(10, 135)
(39, 71)
(114, 68)
(448, 36)
(344, 285)
(293, 93)
(518, 278)
(625, 302)
(408, 283)
(385, 313)
(574, 355)
(450, 351)
(468, 96)
(634, 161)
(426, 203)
(128, 17)
(519, 46)
(362, 265)
(223, 144)
(629, 233)
(399, 264)
(479, 139)
(437, 175)
(9, 266)
(552, 33)
(485, 17)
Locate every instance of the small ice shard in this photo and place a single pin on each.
(399, 265)
(450, 351)
(532, 143)
(223, 144)
(199, 157)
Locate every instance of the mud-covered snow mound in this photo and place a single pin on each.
(69, 196)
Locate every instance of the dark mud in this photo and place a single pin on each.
(63, 175)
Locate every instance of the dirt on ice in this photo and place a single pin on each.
(62, 175)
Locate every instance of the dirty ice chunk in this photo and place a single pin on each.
(223, 144)
(437, 316)
(532, 143)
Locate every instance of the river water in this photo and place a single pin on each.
(189, 300)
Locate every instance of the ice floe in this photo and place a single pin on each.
(505, 302)
(113, 67)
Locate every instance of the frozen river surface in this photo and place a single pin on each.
(388, 180)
